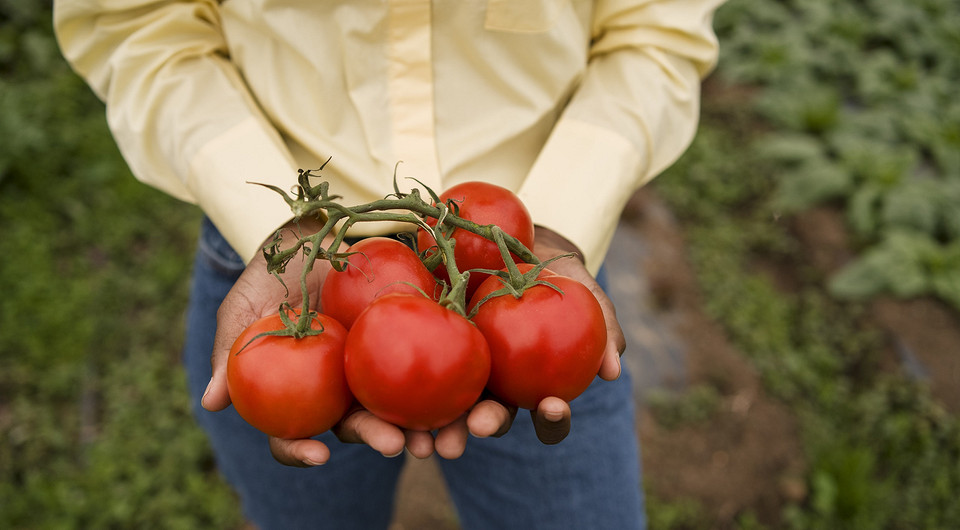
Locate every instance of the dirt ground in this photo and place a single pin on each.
(747, 456)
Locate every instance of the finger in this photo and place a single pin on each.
(490, 418)
(230, 324)
(451, 440)
(610, 366)
(616, 342)
(299, 453)
(361, 426)
(419, 443)
(551, 420)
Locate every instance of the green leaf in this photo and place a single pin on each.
(863, 209)
(899, 265)
(816, 181)
(911, 205)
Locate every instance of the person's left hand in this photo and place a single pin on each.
(551, 419)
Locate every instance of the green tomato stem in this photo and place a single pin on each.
(410, 208)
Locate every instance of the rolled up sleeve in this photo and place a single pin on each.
(179, 110)
(634, 113)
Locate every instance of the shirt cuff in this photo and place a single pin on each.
(222, 174)
(580, 183)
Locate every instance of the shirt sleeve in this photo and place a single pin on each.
(179, 110)
(635, 111)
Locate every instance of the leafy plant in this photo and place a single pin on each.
(95, 427)
(694, 405)
(849, 111)
(865, 93)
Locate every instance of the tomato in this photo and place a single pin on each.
(543, 343)
(415, 363)
(287, 387)
(380, 266)
(484, 204)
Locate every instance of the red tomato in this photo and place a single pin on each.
(381, 266)
(286, 387)
(414, 363)
(543, 343)
(484, 204)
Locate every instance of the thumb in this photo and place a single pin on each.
(229, 327)
(551, 420)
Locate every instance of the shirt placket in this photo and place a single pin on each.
(410, 88)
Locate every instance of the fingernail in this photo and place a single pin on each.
(553, 415)
(398, 453)
(205, 392)
(311, 463)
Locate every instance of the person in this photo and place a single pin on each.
(571, 104)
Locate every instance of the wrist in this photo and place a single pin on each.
(545, 237)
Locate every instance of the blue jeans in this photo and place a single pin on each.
(590, 480)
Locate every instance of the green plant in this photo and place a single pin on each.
(862, 97)
(850, 112)
(694, 405)
(95, 424)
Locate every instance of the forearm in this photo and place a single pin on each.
(179, 110)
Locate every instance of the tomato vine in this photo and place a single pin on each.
(307, 200)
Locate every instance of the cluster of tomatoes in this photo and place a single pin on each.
(389, 343)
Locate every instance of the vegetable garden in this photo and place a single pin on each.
(837, 110)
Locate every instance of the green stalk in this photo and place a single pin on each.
(315, 201)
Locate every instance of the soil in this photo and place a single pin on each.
(747, 457)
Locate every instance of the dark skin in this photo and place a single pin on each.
(257, 294)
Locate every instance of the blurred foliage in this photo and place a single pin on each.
(695, 405)
(95, 423)
(862, 98)
(682, 514)
(850, 105)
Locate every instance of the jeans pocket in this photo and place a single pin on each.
(522, 16)
(217, 253)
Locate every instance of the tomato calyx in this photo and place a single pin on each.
(291, 327)
(515, 281)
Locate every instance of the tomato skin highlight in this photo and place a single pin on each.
(286, 387)
(543, 343)
(414, 363)
(483, 203)
(381, 266)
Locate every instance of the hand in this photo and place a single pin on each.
(257, 294)
(548, 244)
(552, 417)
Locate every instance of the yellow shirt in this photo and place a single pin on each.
(572, 104)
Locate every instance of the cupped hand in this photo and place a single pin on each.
(552, 417)
(549, 244)
(257, 294)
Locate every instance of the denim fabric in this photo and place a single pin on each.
(590, 480)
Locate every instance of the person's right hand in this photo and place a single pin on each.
(257, 294)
